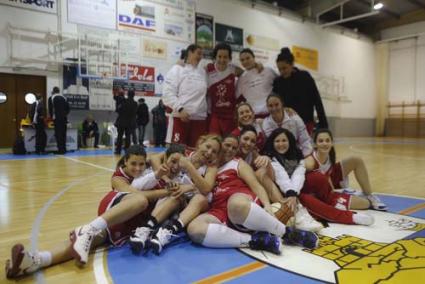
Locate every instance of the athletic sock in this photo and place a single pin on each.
(176, 226)
(152, 222)
(99, 224)
(221, 236)
(46, 258)
(259, 220)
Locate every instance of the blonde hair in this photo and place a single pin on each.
(204, 138)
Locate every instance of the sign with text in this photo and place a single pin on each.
(48, 6)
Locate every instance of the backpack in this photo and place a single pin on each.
(19, 146)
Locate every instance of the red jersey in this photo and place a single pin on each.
(261, 138)
(221, 91)
(120, 173)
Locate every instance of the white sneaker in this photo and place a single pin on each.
(82, 238)
(22, 262)
(138, 240)
(363, 219)
(304, 221)
(161, 239)
(376, 203)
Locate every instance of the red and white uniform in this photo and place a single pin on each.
(293, 123)
(221, 99)
(324, 203)
(255, 86)
(228, 183)
(334, 172)
(186, 87)
(119, 233)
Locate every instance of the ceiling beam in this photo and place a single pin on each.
(384, 10)
(417, 3)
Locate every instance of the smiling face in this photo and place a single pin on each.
(324, 143)
(208, 151)
(247, 60)
(247, 142)
(274, 106)
(135, 165)
(194, 57)
(281, 143)
(222, 59)
(173, 164)
(245, 115)
(229, 149)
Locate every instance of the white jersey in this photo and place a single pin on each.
(255, 87)
(294, 124)
(186, 87)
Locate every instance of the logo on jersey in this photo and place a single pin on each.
(176, 137)
(391, 250)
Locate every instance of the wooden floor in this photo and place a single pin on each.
(26, 186)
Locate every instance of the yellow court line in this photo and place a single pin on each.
(412, 209)
(234, 273)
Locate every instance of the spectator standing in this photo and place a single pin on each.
(59, 110)
(37, 115)
(126, 121)
(159, 124)
(142, 119)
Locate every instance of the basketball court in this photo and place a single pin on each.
(43, 198)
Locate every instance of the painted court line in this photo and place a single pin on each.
(88, 164)
(233, 273)
(412, 209)
(99, 268)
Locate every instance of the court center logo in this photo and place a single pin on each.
(392, 250)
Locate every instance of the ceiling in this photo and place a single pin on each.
(394, 13)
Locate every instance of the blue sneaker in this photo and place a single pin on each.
(301, 238)
(265, 241)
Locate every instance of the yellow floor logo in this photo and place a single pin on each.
(390, 251)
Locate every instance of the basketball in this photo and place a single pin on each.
(283, 213)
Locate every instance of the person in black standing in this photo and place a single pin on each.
(59, 110)
(142, 119)
(299, 91)
(126, 121)
(159, 124)
(37, 115)
(90, 129)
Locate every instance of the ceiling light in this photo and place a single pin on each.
(275, 3)
(378, 6)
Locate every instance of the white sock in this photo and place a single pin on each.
(46, 258)
(99, 224)
(259, 220)
(221, 236)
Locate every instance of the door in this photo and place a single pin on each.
(16, 87)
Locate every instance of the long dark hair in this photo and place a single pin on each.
(247, 128)
(222, 46)
(293, 153)
(190, 48)
(332, 153)
(285, 55)
(136, 150)
(275, 95)
(175, 148)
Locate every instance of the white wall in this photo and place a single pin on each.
(340, 55)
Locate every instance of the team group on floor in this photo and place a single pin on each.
(239, 142)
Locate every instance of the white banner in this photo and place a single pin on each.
(49, 6)
(164, 18)
(101, 97)
(98, 13)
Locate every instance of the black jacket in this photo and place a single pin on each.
(127, 112)
(39, 110)
(88, 127)
(142, 114)
(300, 93)
(58, 107)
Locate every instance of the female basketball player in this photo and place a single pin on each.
(279, 117)
(120, 212)
(313, 190)
(197, 178)
(323, 160)
(236, 200)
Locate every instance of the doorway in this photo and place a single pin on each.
(15, 87)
